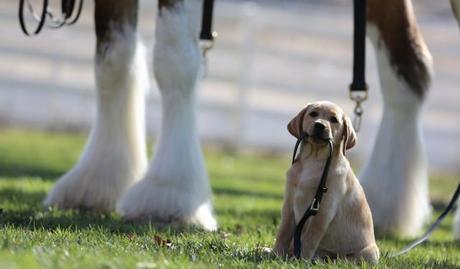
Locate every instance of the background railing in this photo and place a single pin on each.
(270, 59)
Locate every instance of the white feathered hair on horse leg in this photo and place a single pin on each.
(175, 188)
(115, 154)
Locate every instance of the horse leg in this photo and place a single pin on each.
(175, 189)
(455, 4)
(395, 178)
(115, 154)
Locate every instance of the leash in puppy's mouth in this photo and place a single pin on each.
(313, 208)
(302, 137)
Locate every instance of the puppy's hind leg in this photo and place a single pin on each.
(395, 178)
(175, 189)
(115, 154)
(369, 254)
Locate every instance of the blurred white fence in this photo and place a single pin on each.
(268, 62)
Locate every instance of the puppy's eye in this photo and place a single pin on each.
(313, 114)
(333, 119)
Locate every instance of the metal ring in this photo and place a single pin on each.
(358, 96)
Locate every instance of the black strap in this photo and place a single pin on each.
(67, 12)
(67, 7)
(70, 11)
(313, 208)
(432, 227)
(302, 136)
(359, 47)
(41, 19)
(206, 21)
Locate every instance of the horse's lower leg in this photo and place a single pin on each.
(395, 178)
(455, 4)
(175, 188)
(114, 156)
(456, 10)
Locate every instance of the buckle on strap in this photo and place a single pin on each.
(314, 207)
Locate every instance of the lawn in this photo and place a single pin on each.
(247, 197)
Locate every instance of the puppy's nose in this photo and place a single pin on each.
(319, 126)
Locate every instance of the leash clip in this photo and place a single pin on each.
(358, 97)
(206, 45)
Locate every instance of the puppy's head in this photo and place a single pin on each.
(322, 121)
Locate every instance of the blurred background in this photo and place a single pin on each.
(270, 59)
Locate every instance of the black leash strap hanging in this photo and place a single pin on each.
(358, 87)
(313, 208)
(206, 21)
(302, 136)
(68, 15)
(41, 19)
(433, 226)
(207, 36)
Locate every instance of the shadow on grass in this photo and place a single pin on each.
(249, 193)
(20, 198)
(411, 262)
(248, 176)
(69, 220)
(249, 213)
(24, 210)
(439, 206)
(27, 212)
(24, 170)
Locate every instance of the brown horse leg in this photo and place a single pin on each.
(395, 177)
(115, 155)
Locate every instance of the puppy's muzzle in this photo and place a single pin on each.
(319, 127)
(319, 132)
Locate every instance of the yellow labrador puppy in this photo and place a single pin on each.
(343, 226)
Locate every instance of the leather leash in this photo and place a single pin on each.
(314, 206)
(359, 93)
(67, 12)
(207, 35)
(358, 87)
(433, 226)
(206, 21)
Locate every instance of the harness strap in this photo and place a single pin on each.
(432, 227)
(313, 208)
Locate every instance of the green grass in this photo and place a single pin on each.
(247, 197)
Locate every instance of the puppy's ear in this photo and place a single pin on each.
(349, 134)
(295, 125)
